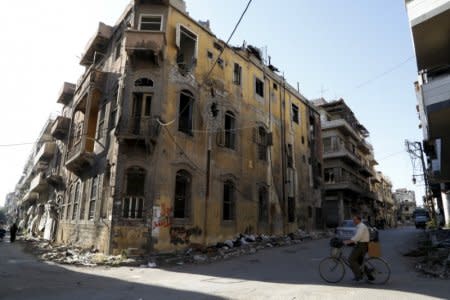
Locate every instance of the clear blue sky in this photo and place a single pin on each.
(331, 45)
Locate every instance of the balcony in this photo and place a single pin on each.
(92, 79)
(347, 182)
(66, 94)
(341, 151)
(80, 157)
(30, 197)
(55, 179)
(60, 128)
(145, 43)
(145, 129)
(98, 43)
(45, 153)
(342, 124)
(38, 184)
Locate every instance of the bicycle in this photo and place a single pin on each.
(332, 268)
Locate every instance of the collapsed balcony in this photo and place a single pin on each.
(66, 94)
(98, 44)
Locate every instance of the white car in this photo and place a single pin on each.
(348, 229)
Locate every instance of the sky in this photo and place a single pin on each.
(360, 51)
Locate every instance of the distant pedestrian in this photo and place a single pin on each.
(12, 232)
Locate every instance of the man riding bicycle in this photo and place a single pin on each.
(361, 240)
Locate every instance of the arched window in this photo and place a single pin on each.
(228, 213)
(185, 112)
(182, 201)
(263, 207)
(230, 130)
(133, 203)
(144, 82)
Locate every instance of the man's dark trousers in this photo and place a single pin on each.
(357, 257)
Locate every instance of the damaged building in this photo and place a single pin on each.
(348, 164)
(171, 137)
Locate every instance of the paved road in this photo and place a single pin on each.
(280, 273)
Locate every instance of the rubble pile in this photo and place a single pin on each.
(435, 254)
(241, 245)
(75, 255)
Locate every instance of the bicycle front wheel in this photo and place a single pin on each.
(378, 270)
(331, 270)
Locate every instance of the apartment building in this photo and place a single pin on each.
(430, 27)
(406, 203)
(385, 208)
(348, 164)
(172, 137)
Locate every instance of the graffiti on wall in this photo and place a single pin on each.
(182, 235)
(162, 218)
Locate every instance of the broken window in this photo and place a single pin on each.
(186, 42)
(133, 202)
(230, 130)
(295, 116)
(185, 112)
(290, 156)
(76, 200)
(237, 74)
(263, 207)
(228, 201)
(291, 209)
(150, 22)
(69, 198)
(182, 195)
(259, 87)
(93, 198)
(210, 55)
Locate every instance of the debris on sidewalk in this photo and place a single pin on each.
(434, 251)
(243, 244)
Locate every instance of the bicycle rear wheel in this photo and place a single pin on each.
(378, 269)
(331, 270)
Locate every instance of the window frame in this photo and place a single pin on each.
(257, 80)
(187, 197)
(137, 198)
(181, 111)
(295, 111)
(93, 197)
(263, 210)
(230, 137)
(151, 15)
(237, 74)
(230, 203)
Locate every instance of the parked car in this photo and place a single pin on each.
(348, 229)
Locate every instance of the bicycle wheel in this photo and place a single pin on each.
(378, 269)
(331, 269)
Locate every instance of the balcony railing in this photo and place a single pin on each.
(98, 43)
(46, 152)
(141, 128)
(359, 184)
(341, 150)
(436, 90)
(38, 183)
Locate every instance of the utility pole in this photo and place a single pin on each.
(418, 163)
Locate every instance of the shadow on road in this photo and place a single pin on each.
(23, 277)
(298, 265)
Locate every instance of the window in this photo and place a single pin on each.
(210, 55)
(101, 123)
(93, 198)
(290, 156)
(303, 140)
(263, 206)
(228, 213)
(69, 202)
(230, 131)
(186, 42)
(113, 108)
(295, 116)
(237, 74)
(259, 87)
(141, 112)
(150, 22)
(76, 201)
(185, 112)
(182, 200)
(144, 82)
(221, 63)
(133, 202)
(291, 210)
(118, 49)
(275, 87)
(262, 142)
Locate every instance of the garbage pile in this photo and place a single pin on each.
(243, 244)
(436, 254)
(73, 255)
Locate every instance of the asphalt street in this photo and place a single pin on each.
(276, 273)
